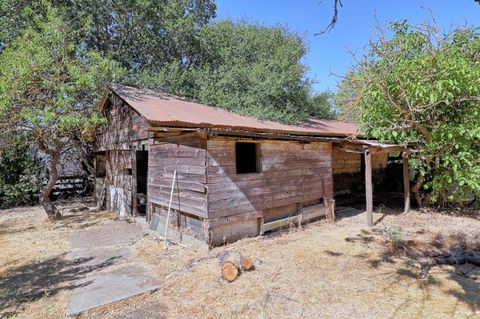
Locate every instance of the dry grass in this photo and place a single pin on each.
(341, 270)
(34, 272)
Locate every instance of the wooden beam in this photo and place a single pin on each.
(134, 181)
(383, 150)
(368, 187)
(360, 148)
(350, 148)
(406, 183)
(294, 220)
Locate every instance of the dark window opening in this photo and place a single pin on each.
(101, 165)
(247, 158)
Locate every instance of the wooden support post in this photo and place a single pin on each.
(133, 163)
(368, 187)
(406, 183)
(95, 190)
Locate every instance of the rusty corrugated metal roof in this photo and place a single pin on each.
(166, 110)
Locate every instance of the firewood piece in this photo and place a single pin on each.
(229, 271)
(233, 263)
(247, 263)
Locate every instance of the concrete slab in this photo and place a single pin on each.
(107, 270)
(111, 233)
(98, 256)
(110, 286)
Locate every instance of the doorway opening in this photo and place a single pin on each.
(142, 176)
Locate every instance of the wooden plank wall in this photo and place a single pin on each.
(124, 126)
(346, 162)
(185, 153)
(292, 174)
(119, 167)
(123, 129)
(347, 170)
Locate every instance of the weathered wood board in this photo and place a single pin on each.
(347, 170)
(291, 173)
(211, 199)
(186, 154)
(123, 127)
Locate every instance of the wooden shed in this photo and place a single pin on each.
(232, 176)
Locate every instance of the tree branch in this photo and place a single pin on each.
(333, 21)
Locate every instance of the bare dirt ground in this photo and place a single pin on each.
(341, 270)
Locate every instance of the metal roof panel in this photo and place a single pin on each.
(168, 110)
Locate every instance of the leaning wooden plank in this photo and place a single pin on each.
(169, 209)
(220, 221)
(315, 211)
(281, 223)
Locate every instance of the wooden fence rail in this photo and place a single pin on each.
(67, 186)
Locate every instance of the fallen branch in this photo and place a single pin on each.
(458, 257)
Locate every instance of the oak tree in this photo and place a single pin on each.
(48, 89)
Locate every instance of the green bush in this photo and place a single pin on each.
(20, 178)
(421, 87)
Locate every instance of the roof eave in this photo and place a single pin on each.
(155, 125)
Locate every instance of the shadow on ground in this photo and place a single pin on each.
(83, 219)
(411, 253)
(30, 282)
(44, 275)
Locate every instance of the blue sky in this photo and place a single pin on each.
(328, 53)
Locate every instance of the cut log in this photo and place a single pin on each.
(247, 264)
(229, 271)
(233, 263)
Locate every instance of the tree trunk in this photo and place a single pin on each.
(415, 189)
(52, 212)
